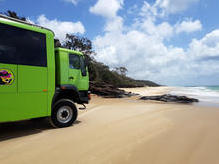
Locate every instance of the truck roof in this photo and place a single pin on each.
(68, 50)
(19, 23)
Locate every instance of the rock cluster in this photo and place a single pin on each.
(108, 91)
(170, 98)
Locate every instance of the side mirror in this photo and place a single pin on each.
(86, 62)
(83, 66)
(83, 72)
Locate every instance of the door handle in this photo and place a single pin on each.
(71, 78)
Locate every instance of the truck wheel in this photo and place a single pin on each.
(63, 114)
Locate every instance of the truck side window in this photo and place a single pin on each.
(20, 46)
(74, 61)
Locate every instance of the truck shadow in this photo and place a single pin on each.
(24, 128)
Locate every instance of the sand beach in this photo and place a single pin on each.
(119, 131)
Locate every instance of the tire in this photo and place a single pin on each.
(63, 114)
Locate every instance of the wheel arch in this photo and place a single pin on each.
(66, 92)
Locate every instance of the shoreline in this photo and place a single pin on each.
(154, 91)
(149, 91)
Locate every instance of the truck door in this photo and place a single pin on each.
(23, 63)
(78, 74)
(33, 74)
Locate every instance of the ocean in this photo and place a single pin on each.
(207, 95)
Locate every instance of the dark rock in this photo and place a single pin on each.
(170, 98)
(108, 90)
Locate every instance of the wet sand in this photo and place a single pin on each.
(119, 131)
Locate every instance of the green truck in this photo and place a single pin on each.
(36, 79)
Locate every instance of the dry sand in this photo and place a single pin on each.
(119, 131)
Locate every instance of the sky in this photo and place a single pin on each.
(171, 42)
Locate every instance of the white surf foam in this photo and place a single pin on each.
(202, 93)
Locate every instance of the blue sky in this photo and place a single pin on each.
(172, 42)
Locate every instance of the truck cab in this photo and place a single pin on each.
(37, 79)
(71, 71)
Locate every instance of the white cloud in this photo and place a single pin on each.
(149, 10)
(30, 21)
(115, 24)
(174, 6)
(147, 57)
(165, 30)
(206, 48)
(61, 28)
(188, 26)
(162, 31)
(106, 8)
(74, 2)
(163, 8)
(142, 49)
(147, 21)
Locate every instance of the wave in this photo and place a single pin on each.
(204, 94)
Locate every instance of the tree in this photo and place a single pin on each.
(121, 70)
(78, 43)
(14, 15)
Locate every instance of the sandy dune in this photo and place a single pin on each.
(119, 131)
